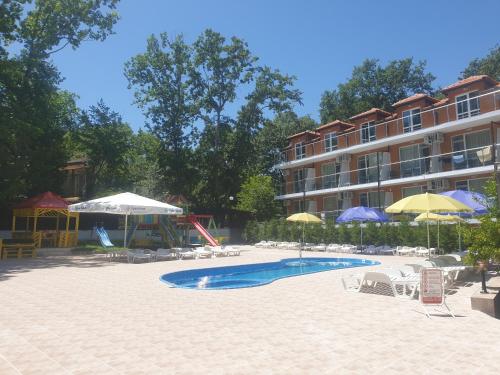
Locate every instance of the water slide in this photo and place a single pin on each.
(103, 237)
(212, 241)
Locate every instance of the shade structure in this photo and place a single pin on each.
(45, 206)
(303, 218)
(126, 204)
(476, 201)
(430, 216)
(428, 203)
(362, 214)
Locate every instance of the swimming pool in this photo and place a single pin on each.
(250, 275)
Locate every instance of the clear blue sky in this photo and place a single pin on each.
(317, 41)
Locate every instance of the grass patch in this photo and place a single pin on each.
(95, 249)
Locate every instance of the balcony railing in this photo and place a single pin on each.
(426, 165)
(430, 118)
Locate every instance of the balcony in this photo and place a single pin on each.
(463, 114)
(468, 162)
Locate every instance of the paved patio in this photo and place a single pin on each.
(83, 315)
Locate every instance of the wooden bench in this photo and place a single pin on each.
(10, 249)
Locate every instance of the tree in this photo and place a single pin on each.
(34, 114)
(272, 138)
(372, 85)
(221, 67)
(144, 166)
(257, 196)
(164, 90)
(489, 65)
(106, 141)
(483, 241)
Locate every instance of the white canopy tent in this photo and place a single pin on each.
(126, 204)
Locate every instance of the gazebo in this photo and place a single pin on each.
(46, 206)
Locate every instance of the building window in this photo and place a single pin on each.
(330, 173)
(330, 142)
(368, 132)
(298, 181)
(367, 168)
(471, 150)
(414, 159)
(371, 199)
(467, 105)
(411, 120)
(300, 150)
(476, 185)
(298, 206)
(330, 206)
(409, 191)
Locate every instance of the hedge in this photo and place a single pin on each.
(393, 234)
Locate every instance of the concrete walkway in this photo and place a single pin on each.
(83, 315)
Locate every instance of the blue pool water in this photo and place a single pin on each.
(250, 275)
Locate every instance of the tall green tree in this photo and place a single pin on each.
(221, 67)
(489, 65)
(374, 85)
(257, 197)
(107, 143)
(34, 113)
(272, 138)
(164, 91)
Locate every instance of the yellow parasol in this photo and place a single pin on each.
(304, 218)
(429, 216)
(428, 203)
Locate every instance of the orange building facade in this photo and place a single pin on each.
(378, 157)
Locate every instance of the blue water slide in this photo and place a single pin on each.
(103, 237)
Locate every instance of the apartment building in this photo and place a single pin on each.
(379, 157)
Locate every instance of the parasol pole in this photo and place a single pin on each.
(438, 249)
(125, 234)
(428, 236)
(459, 238)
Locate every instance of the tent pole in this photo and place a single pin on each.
(125, 232)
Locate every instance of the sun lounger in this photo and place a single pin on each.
(423, 251)
(405, 250)
(333, 247)
(392, 278)
(132, 255)
(231, 250)
(202, 252)
(319, 247)
(217, 250)
(185, 252)
(386, 250)
(164, 254)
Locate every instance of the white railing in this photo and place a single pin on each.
(429, 119)
(443, 162)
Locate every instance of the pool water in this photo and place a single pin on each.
(251, 275)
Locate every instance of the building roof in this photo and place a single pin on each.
(303, 133)
(44, 200)
(342, 124)
(413, 98)
(370, 112)
(469, 80)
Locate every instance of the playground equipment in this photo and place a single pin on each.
(103, 237)
(46, 206)
(193, 220)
